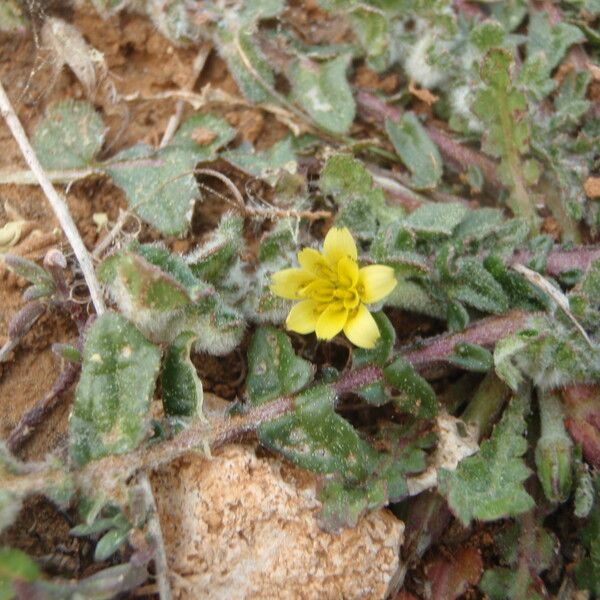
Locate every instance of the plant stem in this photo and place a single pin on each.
(175, 119)
(59, 206)
(34, 416)
(457, 155)
(486, 403)
(428, 356)
(560, 260)
(160, 555)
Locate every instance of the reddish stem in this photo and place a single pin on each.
(429, 356)
(560, 260)
(458, 156)
(33, 417)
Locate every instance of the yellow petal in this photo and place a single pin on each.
(314, 262)
(331, 321)
(375, 282)
(321, 290)
(347, 272)
(303, 317)
(288, 282)
(339, 244)
(361, 328)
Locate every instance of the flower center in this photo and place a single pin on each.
(335, 284)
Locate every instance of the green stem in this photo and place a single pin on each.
(486, 403)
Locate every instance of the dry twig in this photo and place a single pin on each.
(59, 206)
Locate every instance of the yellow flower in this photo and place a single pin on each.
(333, 291)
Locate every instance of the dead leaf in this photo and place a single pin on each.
(450, 578)
(423, 94)
(67, 47)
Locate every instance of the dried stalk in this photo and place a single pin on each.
(175, 119)
(270, 212)
(59, 206)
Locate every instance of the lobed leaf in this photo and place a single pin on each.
(159, 184)
(489, 485)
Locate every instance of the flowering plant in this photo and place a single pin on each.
(333, 291)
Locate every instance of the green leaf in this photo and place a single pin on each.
(266, 165)
(159, 184)
(212, 260)
(552, 41)
(109, 543)
(489, 485)
(252, 12)
(202, 135)
(502, 584)
(15, 565)
(473, 285)
(111, 408)
(322, 90)
(29, 270)
(417, 396)
(346, 499)
(503, 109)
(274, 370)
(246, 63)
(360, 204)
(144, 286)
(314, 437)
(436, 219)
(181, 387)
(69, 137)
(487, 35)
(372, 31)
(499, 104)
(471, 357)
(416, 150)
(587, 572)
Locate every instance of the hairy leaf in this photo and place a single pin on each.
(489, 485)
(420, 155)
(159, 184)
(181, 387)
(265, 165)
(111, 409)
(274, 370)
(202, 135)
(70, 136)
(322, 90)
(246, 63)
(212, 260)
(361, 206)
(416, 395)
